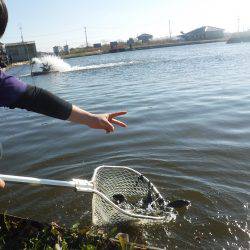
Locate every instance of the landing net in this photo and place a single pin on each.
(123, 194)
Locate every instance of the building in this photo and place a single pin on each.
(130, 42)
(66, 49)
(23, 51)
(114, 45)
(145, 38)
(239, 37)
(57, 50)
(203, 33)
(97, 45)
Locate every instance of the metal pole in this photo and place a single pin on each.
(86, 38)
(21, 30)
(27, 50)
(238, 20)
(169, 27)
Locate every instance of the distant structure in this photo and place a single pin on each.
(66, 49)
(239, 37)
(130, 42)
(245, 36)
(203, 33)
(97, 45)
(57, 50)
(145, 38)
(22, 51)
(114, 45)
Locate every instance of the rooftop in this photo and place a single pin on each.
(210, 28)
(20, 43)
(204, 28)
(145, 35)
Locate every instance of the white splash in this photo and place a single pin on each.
(59, 65)
(102, 65)
(56, 63)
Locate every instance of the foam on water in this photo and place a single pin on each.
(56, 63)
(59, 65)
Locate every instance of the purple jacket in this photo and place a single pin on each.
(10, 89)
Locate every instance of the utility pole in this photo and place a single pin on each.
(26, 49)
(86, 38)
(21, 30)
(169, 28)
(238, 21)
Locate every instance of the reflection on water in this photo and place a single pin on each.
(189, 132)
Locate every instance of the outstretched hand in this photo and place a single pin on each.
(106, 121)
(96, 121)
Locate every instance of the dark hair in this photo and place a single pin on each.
(3, 17)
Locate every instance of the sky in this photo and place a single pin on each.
(57, 22)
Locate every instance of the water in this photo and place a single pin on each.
(189, 133)
(59, 65)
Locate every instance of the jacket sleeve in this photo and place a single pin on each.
(43, 102)
(16, 94)
(10, 89)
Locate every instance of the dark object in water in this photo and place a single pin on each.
(37, 73)
(46, 69)
(149, 198)
(160, 201)
(139, 179)
(179, 204)
(118, 198)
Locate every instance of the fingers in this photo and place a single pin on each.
(108, 120)
(112, 115)
(2, 184)
(115, 121)
(108, 126)
(119, 123)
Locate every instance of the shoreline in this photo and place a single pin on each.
(142, 47)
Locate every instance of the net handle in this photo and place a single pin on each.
(78, 184)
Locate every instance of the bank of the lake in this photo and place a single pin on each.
(142, 46)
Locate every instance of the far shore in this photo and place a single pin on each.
(126, 49)
(141, 47)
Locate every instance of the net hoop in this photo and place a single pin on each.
(114, 213)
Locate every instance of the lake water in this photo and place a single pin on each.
(188, 131)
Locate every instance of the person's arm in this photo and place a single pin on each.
(43, 102)
(96, 121)
(16, 94)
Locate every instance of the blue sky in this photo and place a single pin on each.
(55, 22)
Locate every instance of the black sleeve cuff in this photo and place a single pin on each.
(43, 102)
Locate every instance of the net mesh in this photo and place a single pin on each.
(112, 181)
